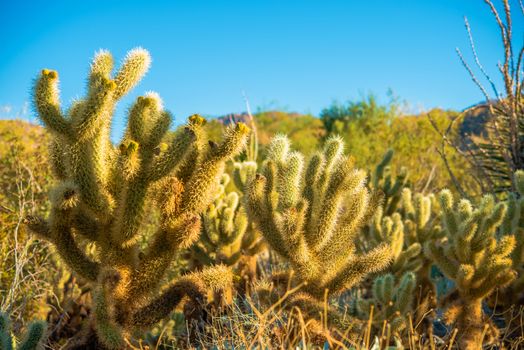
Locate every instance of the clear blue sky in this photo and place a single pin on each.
(295, 55)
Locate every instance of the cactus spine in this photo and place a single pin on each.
(102, 192)
(475, 260)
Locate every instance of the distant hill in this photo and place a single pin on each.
(474, 120)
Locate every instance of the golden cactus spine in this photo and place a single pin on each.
(101, 194)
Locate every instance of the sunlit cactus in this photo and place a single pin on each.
(225, 238)
(478, 263)
(514, 225)
(422, 225)
(102, 193)
(390, 230)
(311, 216)
(392, 302)
(34, 338)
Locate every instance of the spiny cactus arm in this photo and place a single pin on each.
(58, 158)
(177, 151)
(344, 180)
(200, 186)
(291, 224)
(133, 68)
(93, 112)
(394, 194)
(6, 340)
(195, 286)
(405, 293)
(379, 169)
(342, 241)
(88, 170)
(47, 104)
(243, 173)
(102, 65)
(59, 233)
(259, 211)
(146, 127)
(178, 235)
(108, 331)
(86, 225)
(73, 255)
(35, 336)
(360, 266)
(409, 259)
(500, 280)
(436, 253)
(38, 226)
(319, 176)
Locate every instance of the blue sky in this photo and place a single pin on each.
(293, 55)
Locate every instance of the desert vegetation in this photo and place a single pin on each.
(361, 228)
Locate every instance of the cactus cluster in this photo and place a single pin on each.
(311, 216)
(34, 338)
(390, 229)
(225, 237)
(103, 191)
(474, 258)
(391, 302)
(514, 225)
(329, 225)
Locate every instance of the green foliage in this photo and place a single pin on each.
(300, 215)
(102, 192)
(473, 257)
(370, 129)
(25, 272)
(33, 339)
(338, 118)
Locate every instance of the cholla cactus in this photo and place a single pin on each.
(102, 192)
(514, 224)
(34, 338)
(312, 218)
(474, 259)
(392, 301)
(389, 187)
(225, 238)
(390, 229)
(421, 225)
